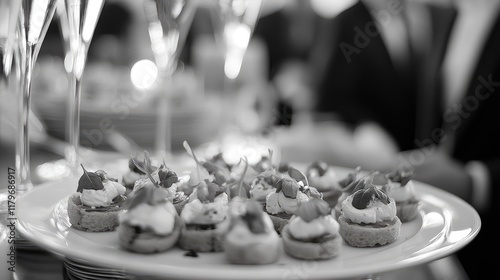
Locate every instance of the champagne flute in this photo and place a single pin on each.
(168, 24)
(9, 12)
(78, 20)
(34, 20)
(234, 22)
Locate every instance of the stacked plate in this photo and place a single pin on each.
(82, 270)
(25, 245)
(34, 263)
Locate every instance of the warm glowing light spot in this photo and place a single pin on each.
(143, 74)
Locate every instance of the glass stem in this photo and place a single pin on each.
(228, 98)
(72, 152)
(23, 143)
(164, 122)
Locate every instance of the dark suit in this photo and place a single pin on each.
(476, 126)
(280, 36)
(369, 88)
(363, 84)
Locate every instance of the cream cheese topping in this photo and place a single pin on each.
(321, 226)
(400, 193)
(278, 202)
(104, 197)
(160, 217)
(272, 205)
(376, 211)
(322, 183)
(209, 213)
(259, 189)
(182, 182)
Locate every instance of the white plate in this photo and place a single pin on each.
(445, 225)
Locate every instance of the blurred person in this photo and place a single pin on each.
(465, 159)
(437, 100)
(385, 52)
(291, 35)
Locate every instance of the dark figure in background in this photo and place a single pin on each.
(467, 162)
(378, 62)
(443, 108)
(291, 35)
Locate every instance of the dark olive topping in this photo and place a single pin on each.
(133, 167)
(362, 198)
(289, 186)
(298, 176)
(141, 167)
(207, 191)
(167, 177)
(89, 181)
(253, 217)
(283, 167)
(220, 173)
(271, 179)
(356, 185)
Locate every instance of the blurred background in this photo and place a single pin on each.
(353, 83)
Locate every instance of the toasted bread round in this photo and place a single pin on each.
(92, 219)
(266, 252)
(146, 241)
(407, 211)
(328, 248)
(367, 235)
(203, 239)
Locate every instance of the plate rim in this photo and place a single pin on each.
(238, 271)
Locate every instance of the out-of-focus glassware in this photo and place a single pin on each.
(78, 20)
(169, 22)
(34, 20)
(234, 22)
(9, 12)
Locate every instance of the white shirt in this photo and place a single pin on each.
(391, 26)
(398, 33)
